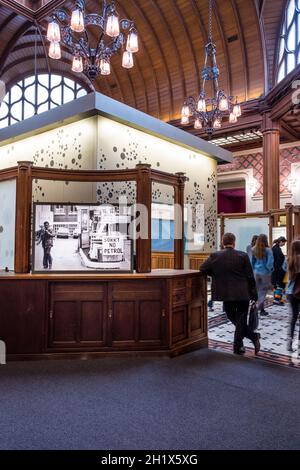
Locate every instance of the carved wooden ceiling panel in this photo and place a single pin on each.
(168, 67)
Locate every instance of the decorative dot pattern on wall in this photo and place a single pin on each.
(110, 192)
(7, 223)
(122, 147)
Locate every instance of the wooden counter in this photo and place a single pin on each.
(54, 315)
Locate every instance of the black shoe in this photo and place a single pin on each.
(263, 313)
(256, 343)
(239, 351)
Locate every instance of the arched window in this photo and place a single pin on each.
(33, 95)
(289, 45)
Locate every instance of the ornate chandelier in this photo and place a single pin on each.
(93, 59)
(206, 112)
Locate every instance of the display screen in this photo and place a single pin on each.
(81, 238)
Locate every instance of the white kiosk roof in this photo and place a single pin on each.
(98, 104)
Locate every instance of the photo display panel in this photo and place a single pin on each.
(81, 238)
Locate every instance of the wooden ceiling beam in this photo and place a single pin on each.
(176, 56)
(289, 131)
(138, 69)
(218, 20)
(7, 20)
(11, 43)
(243, 47)
(189, 42)
(146, 21)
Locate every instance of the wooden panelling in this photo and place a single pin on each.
(123, 323)
(180, 324)
(77, 317)
(150, 321)
(69, 316)
(64, 328)
(23, 316)
(162, 260)
(197, 259)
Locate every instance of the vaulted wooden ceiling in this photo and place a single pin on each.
(172, 35)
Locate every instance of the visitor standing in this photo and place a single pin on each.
(294, 277)
(279, 258)
(263, 267)
(251, 246)
(233, 283)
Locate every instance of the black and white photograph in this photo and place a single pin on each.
(75, 238)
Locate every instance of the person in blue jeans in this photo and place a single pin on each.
(294, 275)
(263, 266)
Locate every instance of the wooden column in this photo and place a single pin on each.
(23, 218)
(144, 198)
(271, 158)
(297, 222)
(289, 224)
(179, 222)
(271, 226)
(222, 229)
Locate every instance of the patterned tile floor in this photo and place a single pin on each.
(273, 330)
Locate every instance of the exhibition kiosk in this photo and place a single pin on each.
(93, 196)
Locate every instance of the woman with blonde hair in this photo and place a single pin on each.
(294, 277)
(263, 266)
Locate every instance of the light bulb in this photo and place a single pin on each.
(201, 105)
(53, 32)
(232, 118)
(132, 42)
(77, 65)
(112, 26)
(223, 104)
(127, 61)
(54, 50)
(217, 124)
(185, 120)
(198, 124)
(185, 112)
(77, 21)
(237, 111)
(105, 66)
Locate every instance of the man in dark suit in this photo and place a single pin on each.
(233, 283)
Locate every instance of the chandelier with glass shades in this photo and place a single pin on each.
(93, 59)
(209, 112)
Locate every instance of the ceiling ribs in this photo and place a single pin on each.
(243, 47)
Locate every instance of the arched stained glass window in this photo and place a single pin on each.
(34, 95)
(289, 45)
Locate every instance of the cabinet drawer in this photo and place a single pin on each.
(179, 297)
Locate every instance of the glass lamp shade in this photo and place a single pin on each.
(127, 61)
(112, 26)
(217, 124)
(54, 50)
(77, 21)
(232, 118)
(198, 124)
(201, 107)
(185, 111)
(77, 65)
(105, 67)
(185, 120)
(237, 110)
(53, 32)
(223, 104)
(132, 42)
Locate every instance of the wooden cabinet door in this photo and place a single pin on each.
(78, 315)
(137, 316)
(22, 316)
